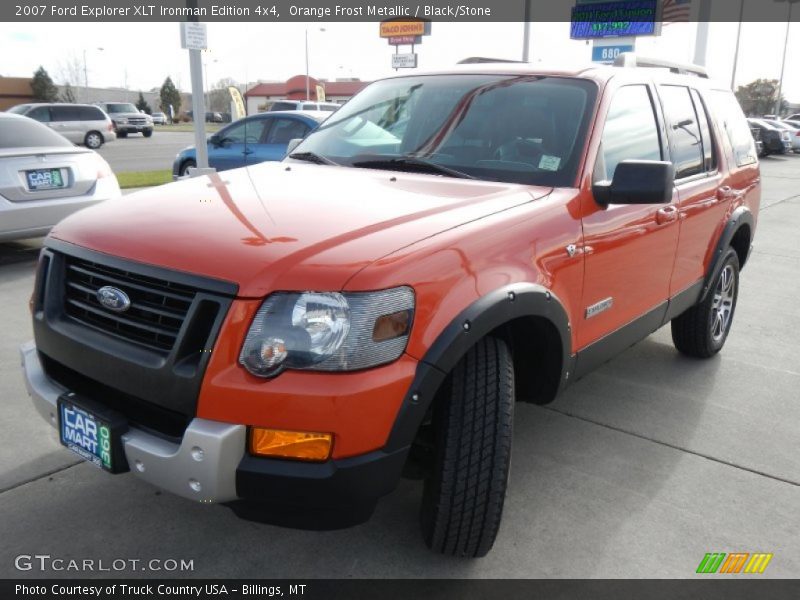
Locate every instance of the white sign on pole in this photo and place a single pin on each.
(404, 61)
(193, 36)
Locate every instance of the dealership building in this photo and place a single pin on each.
(262, 95)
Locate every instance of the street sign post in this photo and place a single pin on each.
(194, 36)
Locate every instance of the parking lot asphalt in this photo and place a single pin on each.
(638, 470)
(138, 153)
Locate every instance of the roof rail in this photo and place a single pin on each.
(631, 59)
(483, 59)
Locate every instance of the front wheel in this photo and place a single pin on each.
(147, 132)
(185, 166)
(463, 496)
(701, 331)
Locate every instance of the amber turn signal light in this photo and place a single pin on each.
(391, 326)
(297, 445)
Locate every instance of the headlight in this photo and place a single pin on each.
(328, 331)
(122, 120)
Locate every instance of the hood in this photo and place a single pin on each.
(280, 226)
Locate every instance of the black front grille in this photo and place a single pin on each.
(157, 311)
(139, 412)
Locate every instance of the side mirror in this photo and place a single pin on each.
(637, 182)
(293, 143)
(215, 140)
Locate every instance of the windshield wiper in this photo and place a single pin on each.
(411, 163)
(313, 157)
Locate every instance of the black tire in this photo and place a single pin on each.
(93, 140)
(701, 331)
(185, 166)
(122, 134)
(463, 497)
(147, 132)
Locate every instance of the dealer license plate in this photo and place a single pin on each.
(94, 437)
(45, 179)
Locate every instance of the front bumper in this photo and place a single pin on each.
(128, 128)
(337, 493)
(172, 467)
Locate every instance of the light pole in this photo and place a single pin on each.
(736, 51)
(207, 82)
(308, 96)
(86, 76)
(783, 61)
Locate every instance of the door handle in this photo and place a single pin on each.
(726, 192)
(246, 152)
(668, 214)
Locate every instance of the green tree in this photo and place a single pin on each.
(169, 95)
(43, 88)
(67, 95)
(141, 104)
(758, 97)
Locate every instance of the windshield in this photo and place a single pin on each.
(121, 108)
(513, 128)
(19, 109)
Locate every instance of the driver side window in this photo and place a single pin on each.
(630, 133)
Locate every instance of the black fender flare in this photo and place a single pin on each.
(741, 216)
(476, 321)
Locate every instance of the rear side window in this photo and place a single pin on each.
(309, 107)
(284, 106)
(91, 113)
(709, 153)
(24, 133)
(683, 130)
(285, 130)
(65, 113)
(630, 133)
(731, 121)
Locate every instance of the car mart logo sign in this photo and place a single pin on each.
(736, 562)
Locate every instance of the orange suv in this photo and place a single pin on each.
(290, 338)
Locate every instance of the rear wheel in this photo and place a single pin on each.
(701, 331)
(93, 140)
(463, 496)
(122, 134)
(185, 166)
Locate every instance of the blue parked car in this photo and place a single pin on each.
(251, 140)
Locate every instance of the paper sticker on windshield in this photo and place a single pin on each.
(549, 163)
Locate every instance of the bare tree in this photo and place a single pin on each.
(219, 98)
(70, 71)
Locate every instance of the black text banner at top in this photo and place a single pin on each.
(376, 10)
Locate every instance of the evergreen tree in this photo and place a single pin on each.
(141, 104)
(169, 95)
(43, 88)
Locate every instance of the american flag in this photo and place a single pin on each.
(675, 11)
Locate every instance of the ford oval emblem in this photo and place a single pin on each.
(113, 299)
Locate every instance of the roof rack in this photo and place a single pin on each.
(631, 59)
(483, 59)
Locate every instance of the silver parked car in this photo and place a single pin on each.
(159, 118)
(44, 178)
(79, 123)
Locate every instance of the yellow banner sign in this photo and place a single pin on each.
(399, 28)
